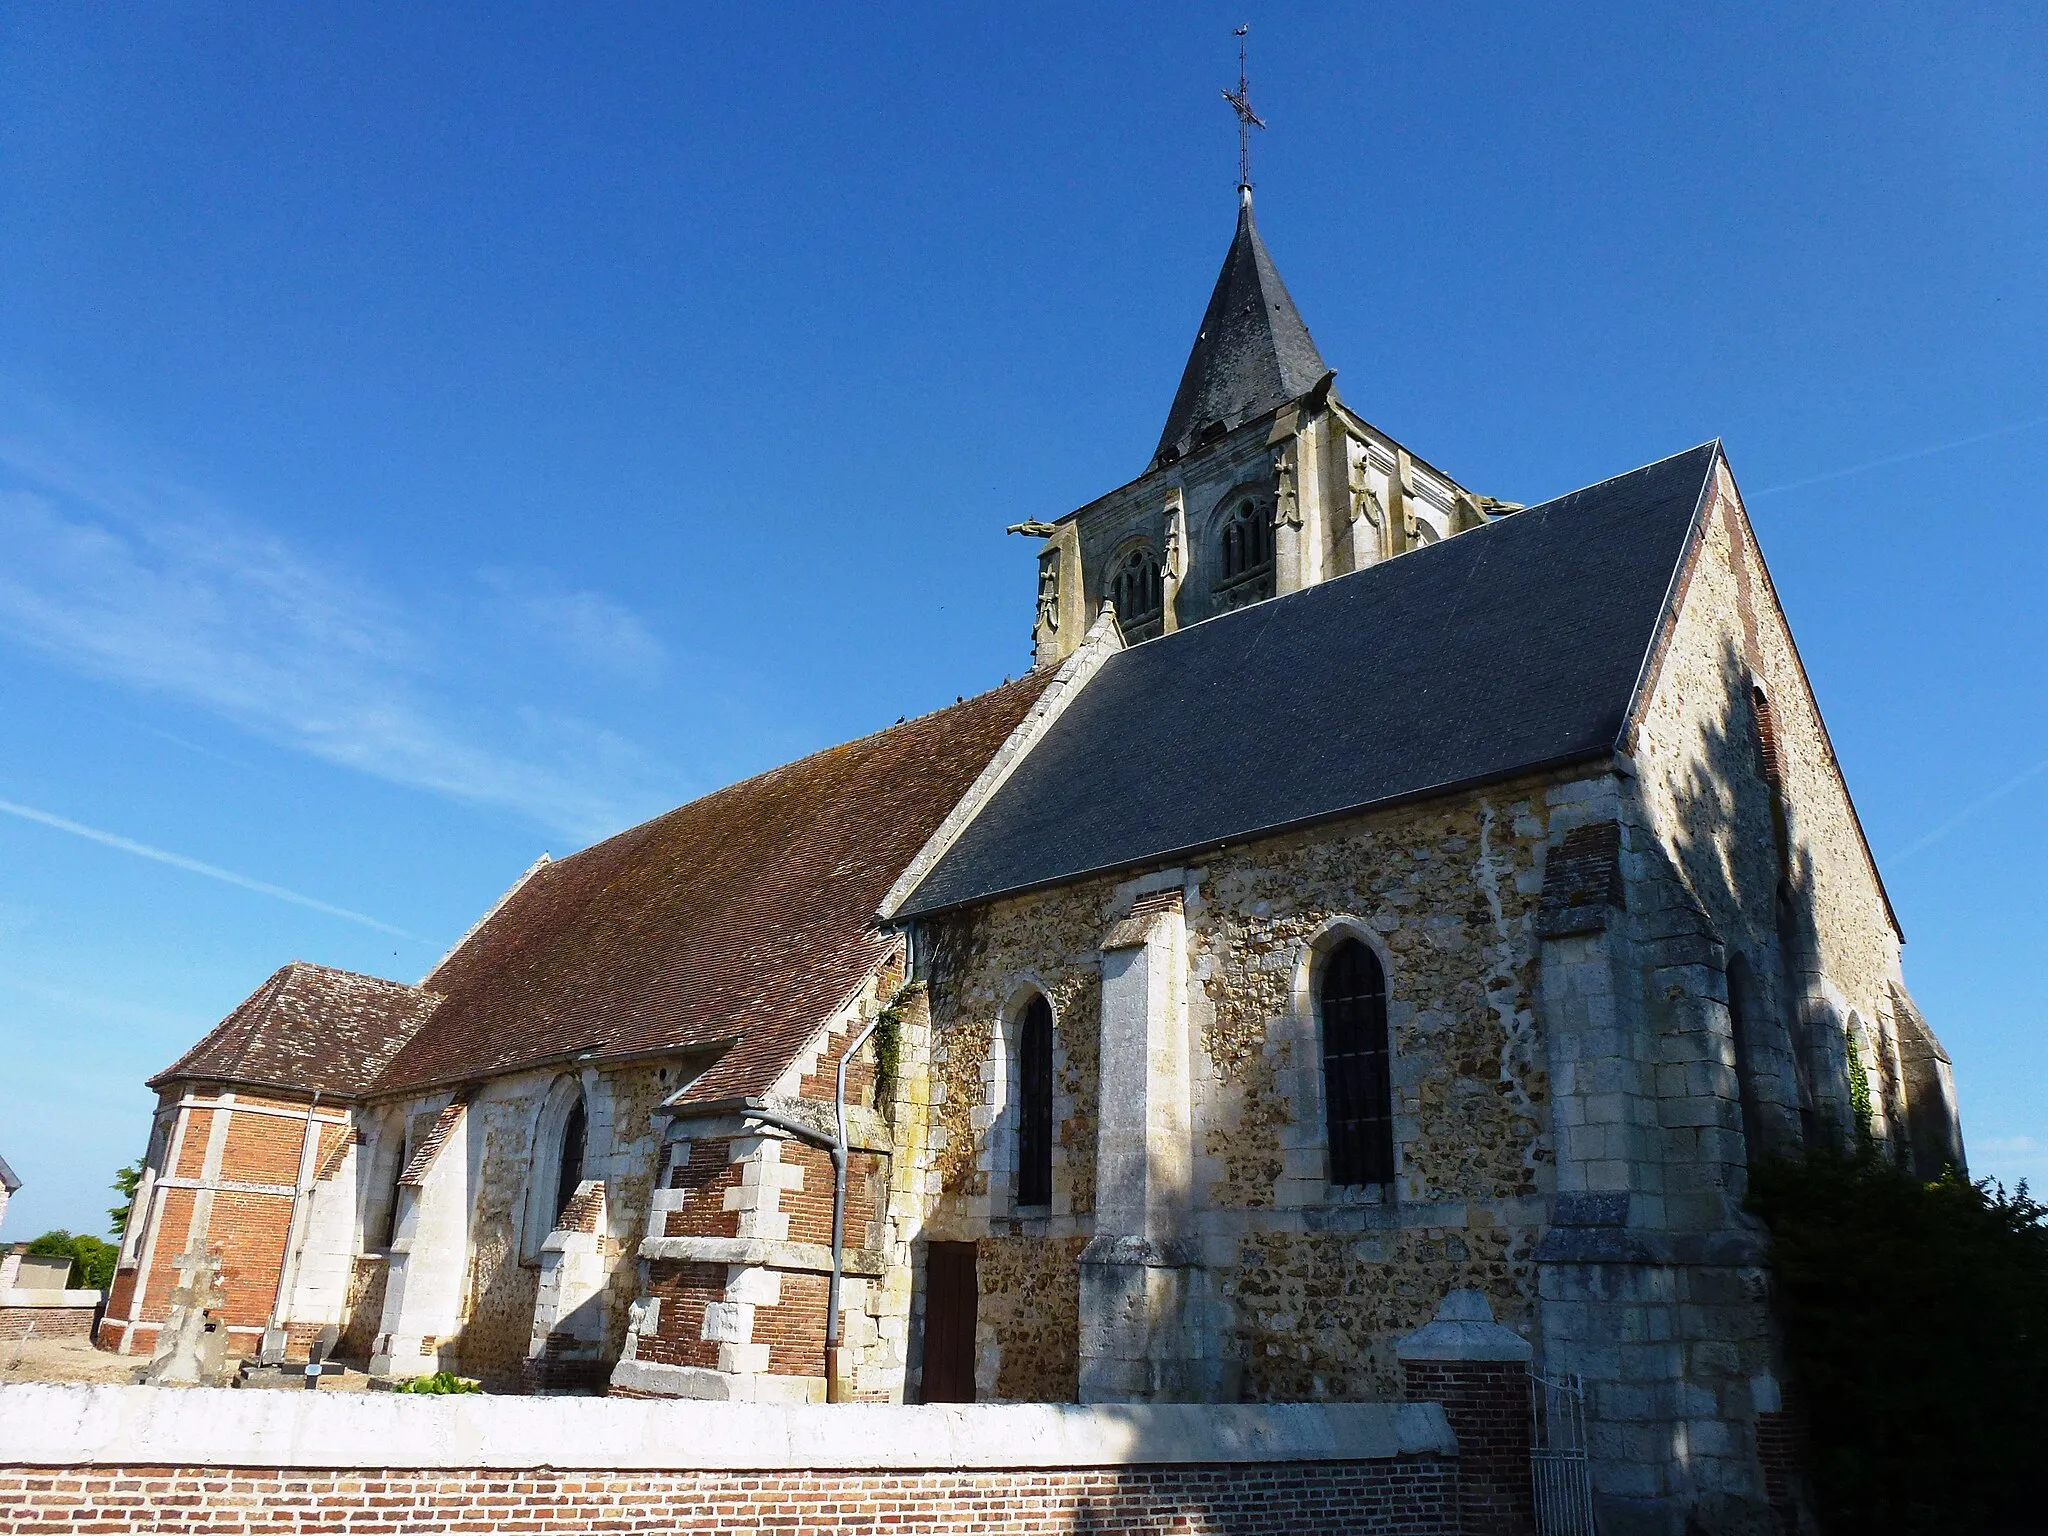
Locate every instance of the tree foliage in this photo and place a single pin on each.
(1916, 1329)
(92, 1261)
(126, 1181)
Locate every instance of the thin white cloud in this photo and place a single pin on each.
(587, 627)
(1983, 802)
(1903, 458)
(144, 583)
(194, 866)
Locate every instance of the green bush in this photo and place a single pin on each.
(440, 1384)
(92, 1261)
(1916, 1329)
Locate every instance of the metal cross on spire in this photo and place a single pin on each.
(1241, 103)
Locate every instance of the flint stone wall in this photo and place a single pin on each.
(1309, 1284)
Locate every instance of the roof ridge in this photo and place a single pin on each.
(794, 763)
(342, 970)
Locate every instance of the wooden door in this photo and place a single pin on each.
(950, 1295)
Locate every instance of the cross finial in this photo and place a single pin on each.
(1241, 103)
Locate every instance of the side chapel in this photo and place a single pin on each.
(1376, 889)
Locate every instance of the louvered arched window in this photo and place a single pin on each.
(1034, 1104)
(1137, 589)
(1247, 542)
(1357, 1083)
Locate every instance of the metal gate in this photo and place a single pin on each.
(1558, 1472)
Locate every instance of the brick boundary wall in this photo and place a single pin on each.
(1407, 1495)
(46, 1322)
(1477, 1371)
(1487, 1403)
(118, 1459)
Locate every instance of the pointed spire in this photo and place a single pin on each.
(1253, 353)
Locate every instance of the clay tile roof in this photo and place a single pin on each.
(308, 1028)
(739, 922)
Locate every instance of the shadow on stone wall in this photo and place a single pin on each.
(1738, 857)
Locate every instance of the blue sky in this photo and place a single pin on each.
(429, 436)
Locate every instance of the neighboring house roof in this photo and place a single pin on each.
(309, 1028)
(1506, 648)
(8, 1181)
(1253, 353)
(741, 920)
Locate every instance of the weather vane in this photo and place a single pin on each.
(1241, 103)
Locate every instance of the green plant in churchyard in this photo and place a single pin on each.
(440, 1384)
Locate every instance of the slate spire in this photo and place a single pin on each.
(1253, 352)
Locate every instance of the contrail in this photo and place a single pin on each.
(193, 866)
(1973, 808)
(1902, 458)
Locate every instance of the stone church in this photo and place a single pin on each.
(1376, 890)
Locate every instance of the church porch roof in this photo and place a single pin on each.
(309, 1028)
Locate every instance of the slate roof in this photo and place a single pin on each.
(308, 1028)
(744, 917)
(1506, 648)
(1252, 354)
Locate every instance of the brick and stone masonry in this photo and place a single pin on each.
(1479, 1371)
(118, 1459)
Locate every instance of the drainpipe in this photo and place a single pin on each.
(835, 1148)
(275, 1346)
(832, 1376)
(833, 1389)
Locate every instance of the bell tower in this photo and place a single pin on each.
(1263, 481)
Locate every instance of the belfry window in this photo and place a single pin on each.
(1357, 1085)
(1034, 1105)
(569, 1163)
(1247, 543)
(1137, 589)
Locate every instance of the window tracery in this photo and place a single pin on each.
(1138, 588)
(1245, 554)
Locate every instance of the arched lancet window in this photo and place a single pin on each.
(569, 1159)
(1357, 1085)
(1247, 542)
(1137, 589)
(1034, 1104)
